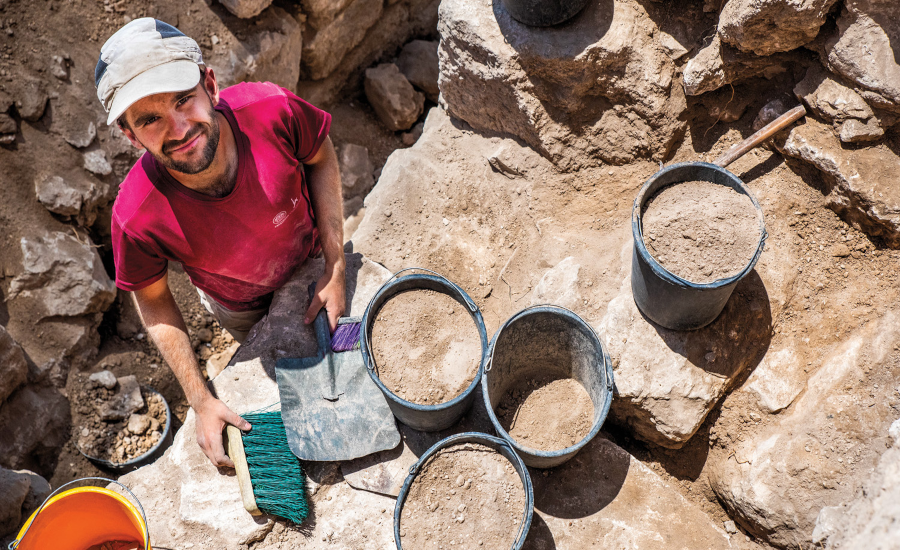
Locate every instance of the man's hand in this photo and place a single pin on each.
(212, 416)
(330, 294)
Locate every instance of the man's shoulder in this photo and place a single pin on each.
(134, 191)
(247, 94)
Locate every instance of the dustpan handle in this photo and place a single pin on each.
(15, 543)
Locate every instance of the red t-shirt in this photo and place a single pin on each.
(240, 248)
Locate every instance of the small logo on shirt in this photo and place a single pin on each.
(281, 216)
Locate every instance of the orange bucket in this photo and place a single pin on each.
(82, 517)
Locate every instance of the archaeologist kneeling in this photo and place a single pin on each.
(222, 189)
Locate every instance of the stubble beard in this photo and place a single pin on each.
(207, 155)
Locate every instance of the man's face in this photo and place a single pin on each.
(179, 129)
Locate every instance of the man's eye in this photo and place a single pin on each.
(150, 121)
(183, 100)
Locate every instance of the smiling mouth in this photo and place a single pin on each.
(186, 146)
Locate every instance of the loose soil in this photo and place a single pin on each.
(701, 231)
(548, 413)
(115, 441)
(426, 346)
(466, 495)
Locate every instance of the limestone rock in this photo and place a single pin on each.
(667, 381)
(324, 50)
(356, 168)
(769, 26)
(857, 131)
(75, 195)
(13, 367)
(559, 285)
(124, 402)
(8, 129)
(37, 493)
(246, 9)
(81, 137)
(268, 52)
(13, 490)
(869, 521)
(138, 423)
(719, 64)
(104, 378)
(59, 67)
(413, 135)
(218, 361)
(577, 92)
(829, 98)
(97, 163)
(31, 100)
(65, 275)
(393, 98)
(320, 13)
(862, 49)
(862, 181)
(774, 383)
(418, 61)
(34, 423)
(776, 482)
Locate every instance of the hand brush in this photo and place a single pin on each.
(346, 336)
(269, 475)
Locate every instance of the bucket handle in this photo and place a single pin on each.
(489, 363)
(469, 303)
(15, 543)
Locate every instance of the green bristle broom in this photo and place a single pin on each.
(270, 477)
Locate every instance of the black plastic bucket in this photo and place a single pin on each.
(547, 334)
(495, 443)
(427, 418)
(543, 13)
(665, 298)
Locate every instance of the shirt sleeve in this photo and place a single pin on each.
(309, 127)
(136, 265)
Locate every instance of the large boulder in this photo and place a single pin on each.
(64, 275)
(393, 98)
(862, 181)
(764, 27)
(863, 47)
(816, 454)
(869, 521)
(324, 49)
(13, 367)
(21, 492)
(269, 51)
(602, 86)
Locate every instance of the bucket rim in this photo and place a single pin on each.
(368, 356)
(500, 445)
(638, 233)
(607, 374)
(59, 494)
(139, 460)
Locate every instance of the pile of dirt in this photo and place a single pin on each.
(426, 346)
(701, 231)
(547, 413)
(116, 438)
(468, 496)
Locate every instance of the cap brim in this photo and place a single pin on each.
(175, 76)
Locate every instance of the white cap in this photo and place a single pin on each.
(143, 58)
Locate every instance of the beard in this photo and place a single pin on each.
(207, 155)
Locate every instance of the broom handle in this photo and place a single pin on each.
(241, 469)
(739, 149)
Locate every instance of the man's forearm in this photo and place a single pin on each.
(166, 327)
(327, 203)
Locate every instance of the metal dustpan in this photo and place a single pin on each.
(331, 408)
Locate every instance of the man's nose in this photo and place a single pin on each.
(179, 126)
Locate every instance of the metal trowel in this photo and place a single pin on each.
(332, 410)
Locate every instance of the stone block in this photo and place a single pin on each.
(418, 61)
(324, 49)
(34, 423)
(769, 26)
(356, 169)
(393, 98)
(246, 9)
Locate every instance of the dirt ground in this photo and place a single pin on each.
(426, 346)
(547, 414)
(701, 231)
(467, 496)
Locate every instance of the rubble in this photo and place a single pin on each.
(104, 378)
(392, 97)
(64, 274)
(125, 402)
(95, 162)
(418, 61)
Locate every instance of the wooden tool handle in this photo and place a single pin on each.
(737, 150)
(241, 469)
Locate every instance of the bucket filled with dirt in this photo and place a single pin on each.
(548, 384)
(697, 231)
(469, 490)
(119, 424)
(423, 342)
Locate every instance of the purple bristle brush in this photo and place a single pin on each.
(346, 336)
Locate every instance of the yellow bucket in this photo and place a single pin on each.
(82, 517)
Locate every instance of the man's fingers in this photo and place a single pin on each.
(333, 317)
(237, 421)
(313, 310)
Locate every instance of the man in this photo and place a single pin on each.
(222, 189)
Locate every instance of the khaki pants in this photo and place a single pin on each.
(237, 323)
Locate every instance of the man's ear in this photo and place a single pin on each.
(211, 86)
(129, 134)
